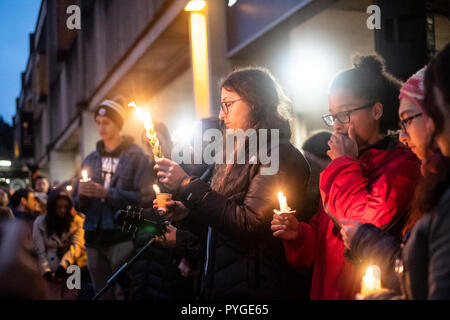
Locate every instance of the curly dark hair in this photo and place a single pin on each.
(369, 80)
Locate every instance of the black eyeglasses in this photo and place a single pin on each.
(343, 117)
(404, 123)
(226, 105)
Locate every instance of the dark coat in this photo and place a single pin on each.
(245, 260)
(372, 245)
(426, 256)
(156, 276)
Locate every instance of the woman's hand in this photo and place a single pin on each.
(285, 226)
(92, 189)
(348, 230)
(169, 173)
(175, 210)
(341, 145)
(169, 240)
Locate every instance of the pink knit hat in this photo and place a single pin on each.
(413, 88)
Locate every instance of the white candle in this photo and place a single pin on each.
(84, 175)
(283, 203)
(371, 281)
(156, 188)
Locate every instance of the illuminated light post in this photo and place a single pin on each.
(195, 5)
(200, 60)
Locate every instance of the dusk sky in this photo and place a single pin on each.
(17, 20)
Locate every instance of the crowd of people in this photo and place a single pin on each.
(375, 191)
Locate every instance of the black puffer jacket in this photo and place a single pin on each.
(244, 260)
(156, 275)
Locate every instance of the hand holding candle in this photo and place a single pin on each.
(161, 198)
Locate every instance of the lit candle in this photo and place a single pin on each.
(150, 132)
(69, 188)
(283, 203)
(156, 188)
(371, 281)
(84, 175)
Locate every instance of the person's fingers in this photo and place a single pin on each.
(276, 218)
(162, 211)
(171, 203)
(280, 223)
(278, 233)
(277, 227)
(163, 163)
(164, 180)
(161, 174)
(160, 168)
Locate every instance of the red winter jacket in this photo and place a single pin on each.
(371, 189)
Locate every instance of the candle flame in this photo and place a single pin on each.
(145, 118)
(373, 272)
(283, 202)
(69, 188)
(371, 281)
(84, 174)
(150, 132)
(156, 188)
(280, 195)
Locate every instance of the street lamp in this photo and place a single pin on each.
(5, 163)
(195, 5)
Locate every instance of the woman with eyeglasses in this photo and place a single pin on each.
(368, 244)
(242, 258)
(422, 266)
(370, 179)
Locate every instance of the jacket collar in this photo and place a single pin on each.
(387, 142)
(126, 143)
